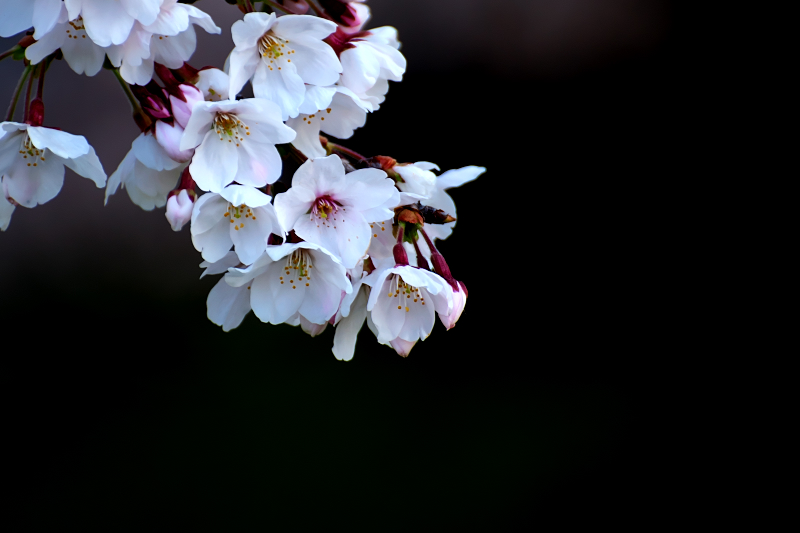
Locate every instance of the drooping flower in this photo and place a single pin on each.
(147, 173)
(351, 315)
(179, 209)
(32, 161)
(226, 305)
(281, 55)
(370, 59)
(294, 278)
(110, 22)
(235, 141)
(459, 303)
(333, 210)
(333, 110)
(403, 302)
(240, 216)
(170, 40)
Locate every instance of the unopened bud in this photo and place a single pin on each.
(435, 216)
(400, 256)
(459, 303)
(179, 209)
(36, 112)
(169, 137)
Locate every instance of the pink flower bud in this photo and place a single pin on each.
(179, 209)
(182, 108)
(459, 303)
(169, 137)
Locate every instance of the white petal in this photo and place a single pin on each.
(316, 99)
(145, 11)
(202, 19)
(227, 306)
(29, 185)
(284, 87)
(61, 143)
(250, 239)
(106, 23)
(208, 211)
(259, 164)
(214, 84)
(6, 210)
(221, 266)
(307, 139)
(249, 196)
(49, 43)
(247, 32)
(45, 16)
(304, 27)
(88, 166)
(344, 340)
(173, 51)
(169, 21)
(215, 163)
(292, 204)
(199, 125)
(151, 154)
(345, 117)
(17, 16)
(243, 65)
(316, 62)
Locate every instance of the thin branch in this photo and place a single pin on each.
(28, 96)
(8, 52)
(13, 106)
(40, 89)
(279, 7)
(125, 87)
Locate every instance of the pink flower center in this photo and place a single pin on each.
(325, 207)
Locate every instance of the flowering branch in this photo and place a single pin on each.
(13, 106)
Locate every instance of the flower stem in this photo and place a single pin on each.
(273, 5)
(348, 152)
(13, 106)
(8, 52)
(40, 88)
(125, 87)
(315, 8)
(28, 95)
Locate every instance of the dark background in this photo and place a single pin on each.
(125, 403)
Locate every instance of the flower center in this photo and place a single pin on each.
(229, 127)
(325, 207)
(29, 152)
(75, 29)
(298, 266)
(407, 295)
(273, 48)
(236, 215)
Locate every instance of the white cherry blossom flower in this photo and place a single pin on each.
(403, 302)
(439, 199)
(110, 21)
(179, 210)
(333, 210)
(240, 216)
(417, 178)
(235, 141)
(227, 306)
(294, 278)
(400, 346)
(351, 315)
(213, 83)
(459, 303)
(32, 161)
(371, 57)
(280, 55)
(147, 173)
(169, 40)
(81, 53)
(333, 110)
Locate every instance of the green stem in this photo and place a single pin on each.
(13, 106)
(8, 52)
(125, 87)
(28, 95)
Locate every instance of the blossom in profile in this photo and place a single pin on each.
(179, 209)
(235, 141)
(333, 209)
(226, 305)
(281, 55)
(32, 161)
(370, 59)
(294, 278)
(110, 22)
(239, 216)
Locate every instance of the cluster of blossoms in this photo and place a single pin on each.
(305, 231)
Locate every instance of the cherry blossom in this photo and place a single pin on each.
(280, 55)
(240, 216)
(416, 178)
(213, 83)
(403, 302)
(235, 141)
(32, 161)
(110, 22)
(147, 173)
(370, 59)
(336, 111)
(226, 305)
(294, 278)
(459, 303)
(333, 210)
(179, 210)
(351, 315)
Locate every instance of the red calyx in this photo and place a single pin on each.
(36, 112)
(341, 41)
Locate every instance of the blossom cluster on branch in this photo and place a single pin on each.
(304, 230)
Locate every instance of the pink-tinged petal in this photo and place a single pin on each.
(303, 27)
(6, 210)
(215, 163)
(459, 303)
(316, 62)
(29, 185)
(283, 87)
(61, 143)
(227, 306)
(88, 166)
(106, 23)
(309, 327)
(199, 124)
(241, 195)
(259, 164)
(247, 32)
(147, 150)
(179, 210)
(182, 110)
(344, 340)
(402, 347)
(169, 137)
(17, 16)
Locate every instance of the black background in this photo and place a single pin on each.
(126, 404)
